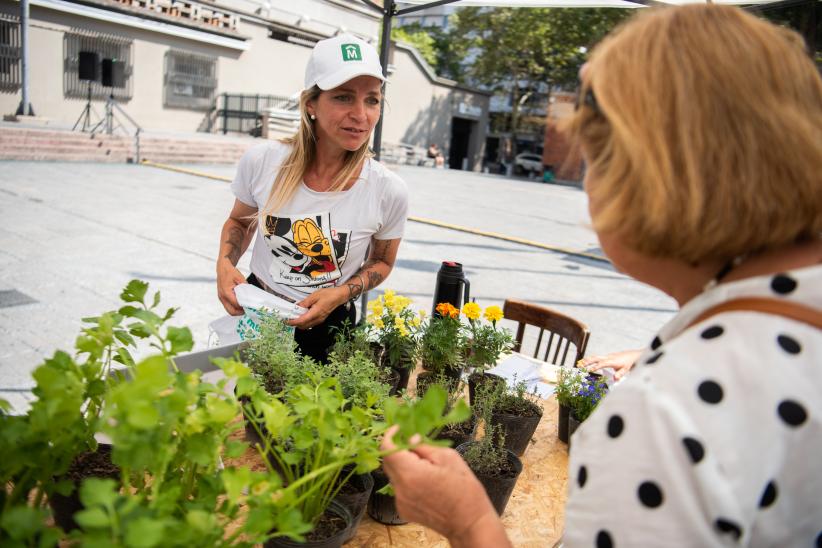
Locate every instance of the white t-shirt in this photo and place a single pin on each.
(715, 437)
(318, 239)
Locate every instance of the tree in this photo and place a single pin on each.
(436, 46)
(521, 51)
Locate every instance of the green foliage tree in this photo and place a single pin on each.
(517, 51)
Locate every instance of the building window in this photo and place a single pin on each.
(111, 51)
(9, 53)
(190, 80)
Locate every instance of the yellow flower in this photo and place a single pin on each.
(422, 314)
(403, 331)
(377, 310)
(389, 293)
(415, 321)
(399, 323)
(471, 311)
(378, 323)
(493, 313)
(389, 302)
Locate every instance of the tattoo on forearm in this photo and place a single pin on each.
(374, 279)
(236, 235)
(355, 287)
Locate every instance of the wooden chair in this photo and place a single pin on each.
(562, 329)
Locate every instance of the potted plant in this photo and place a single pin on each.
(352, 342)
(484, 344)
(569, 379)
(496, 467)
(517, 412)
(442, 346)
(394, 325)
(588, 394)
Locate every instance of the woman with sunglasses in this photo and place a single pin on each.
(326, 218)
(702, 130)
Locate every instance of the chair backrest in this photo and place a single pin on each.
(563, 330)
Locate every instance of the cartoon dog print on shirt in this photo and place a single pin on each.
(307, 253)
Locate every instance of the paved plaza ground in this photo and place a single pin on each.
(72, 235)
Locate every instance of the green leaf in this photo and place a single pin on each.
(180, 339)
(142, 415)
(144, 532)
(156, 299)
(128, 311)
(5, 406)
(22, 522)
(92, 518)
(124, 357)
(149, 318)
(134, 292)
(123, 336)
(235, 448)
(234, 480)
(98, 492)
(169, 313)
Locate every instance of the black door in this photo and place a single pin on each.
(460, 136)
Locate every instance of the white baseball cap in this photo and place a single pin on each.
(337, 60)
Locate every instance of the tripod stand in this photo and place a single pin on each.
(85, 116)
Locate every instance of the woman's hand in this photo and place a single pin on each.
(621, 362)
(228, 277)
(319, 304)
(433, 486)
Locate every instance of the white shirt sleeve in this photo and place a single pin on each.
(248, 170)
(394, 207)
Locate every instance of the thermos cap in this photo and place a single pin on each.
(451, 266)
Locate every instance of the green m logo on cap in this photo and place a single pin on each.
(351, 52)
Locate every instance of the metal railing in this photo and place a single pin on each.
(10, 78)
(244, 113)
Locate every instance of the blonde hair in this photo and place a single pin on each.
(704, 136)
(303, 154)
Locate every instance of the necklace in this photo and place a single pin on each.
(724, 271)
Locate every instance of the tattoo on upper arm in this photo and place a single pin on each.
(374, 278)
(236, 236)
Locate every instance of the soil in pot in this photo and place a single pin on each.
(562, 423)
(428, 378)
(475, 380)
(458, 433)
(86, 465)
(498, 484)
(383, 508)
(334, 528)
(519, 428)
(354, 495)
(405, 375)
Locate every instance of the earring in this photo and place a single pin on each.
(313, 117)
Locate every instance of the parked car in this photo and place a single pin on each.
(527, 162)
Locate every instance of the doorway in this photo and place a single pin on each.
(460, 139)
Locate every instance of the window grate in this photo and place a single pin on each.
(190, 80)
(10, 78)
(106, 47)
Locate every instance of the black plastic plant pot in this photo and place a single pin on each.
(63, 507)
(562, 423)
(383, 508)
(573, 424)
(335, 540)
(498, 488)
(354, 496)
(402, 383)
(518, 431)
(476, 380)
(459, 433)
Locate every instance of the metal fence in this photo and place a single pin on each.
(106, 47)
(243, 113)
(190, 80)
(9, 53)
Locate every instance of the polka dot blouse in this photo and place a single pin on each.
(715, 438)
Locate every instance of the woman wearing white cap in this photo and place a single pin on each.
(328, 218)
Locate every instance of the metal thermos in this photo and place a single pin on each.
(450, 282)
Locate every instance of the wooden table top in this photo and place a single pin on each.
(534, 517)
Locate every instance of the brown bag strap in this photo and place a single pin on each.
(787, 309)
